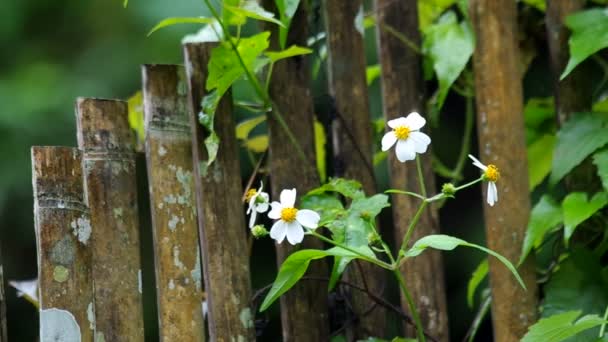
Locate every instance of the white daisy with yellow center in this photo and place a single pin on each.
(490, 174)
(290, 221)
(407, 136)
(258, 203)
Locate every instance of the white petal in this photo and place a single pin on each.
(414, 121)
(295, 232)
(275, 211)
(420, 141)
(278, 231)
(388, 140)
(262, 207)
(397, 122)
(477, 163)
(405, 150)
(254, 213)
(261, 187)
(251, 205)
(308, 218)
(288, 198)
(264, 196)
(492, 196)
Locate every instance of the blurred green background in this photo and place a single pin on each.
(55, 51)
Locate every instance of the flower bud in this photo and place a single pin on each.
(448, 189)
(373, 239)
(259, 231)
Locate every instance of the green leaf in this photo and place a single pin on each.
(589, 35)
(450, 45)
(245, 127)
(577, 208)
(559, 327)
(206, 118)
(477, 277)
(136, 114)
(429, 10)
(125, 3)
(320, 153)
(538, 110)
(257, 144)
(372, 72)
(600, 159)
(292, 51)
(580, 136)
(287, 9)
(180, 20)
(346, 187)
(251, 9)
(327, 206)
(538, 4)
(448, 243)
(546, 216)
(540, 158)
(292, 269)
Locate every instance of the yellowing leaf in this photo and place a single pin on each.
(257, 144)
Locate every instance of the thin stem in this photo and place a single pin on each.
(400, 36)
(362, 256)
(269, 76)
(411, 305)
(388, 252)
(420, 175)
(603, 326)
(410, 228)
(401, 192)
(469, 184)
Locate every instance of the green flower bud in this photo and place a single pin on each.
(373, 239)
(259, 231)
(448, 189)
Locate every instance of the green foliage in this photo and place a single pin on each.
(245, 127)
(545, 217)
(477, 277)
(449, 44)
(540, 159)
(251, 9)
(538, 4)
(579, 137)
(346, 187)
(180, 20)
(287, 9)
(292, 51)
(320, 152)
(577, 208)
(372, 72)
(559, 327)
(589, 35)
(600, 159)
(429, 10)
(448, 243)
(136, 114)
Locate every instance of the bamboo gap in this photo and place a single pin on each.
(172, 203)
(502, 142)
(352, 137)
(106, 140)
(304, 305)
(220, 211)
(402, 93)
(3, 331)
(63, 231)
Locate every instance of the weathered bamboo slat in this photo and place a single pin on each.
(173, 206)
(220, 211)
(106, 140)
(305, 305)
(402, 93)
(502, 142)
(352, 135)
(63, 236)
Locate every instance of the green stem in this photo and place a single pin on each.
(420, 175)
(362, 256)
(401, 192)
(603, 326)
(269, 76)
(469, 184)
(411, 305)
(410, 228)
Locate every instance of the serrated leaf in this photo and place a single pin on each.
(257, 144)
(246, 126)
(327, 206)
(589, 34)
(600, 159)
(292, 51)
(320, 153)
(180, 20)
(480, 273)
(577, 208)
(448, 243)
(545, 217)
(251, 9)
(580, 136)
(540, 158)
(449, 44)
(346, 187)
(559, 327)
(372, 72)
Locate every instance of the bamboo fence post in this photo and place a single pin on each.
(352, 134)
(402, 93)
(3, 332)
(63, 231)
(174, 222)
(222, 227)
(106, 140)
(305, 305)
(502, 142)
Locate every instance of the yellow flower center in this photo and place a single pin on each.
(492, 173)
(289, 214)
(250, 194)
(402, 132)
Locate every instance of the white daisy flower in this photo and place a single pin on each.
(258, 203)
(490, 174)
(290, 220)
(407, 136)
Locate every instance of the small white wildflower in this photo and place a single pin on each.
(258, 203)
(290, 221)
(490, 174)
(407, 136)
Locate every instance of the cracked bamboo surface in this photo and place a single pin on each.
(64, 246)
(222, 227)
(106, 140)
(402, 93)
(500, 127)
(173, 205)
(352, 136)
